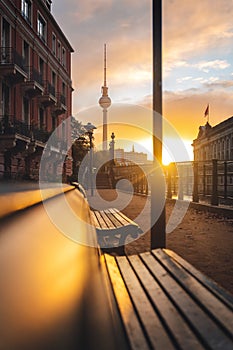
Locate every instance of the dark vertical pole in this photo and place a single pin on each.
(225, 180)
(204, 180)
(158, 233)
(169, 182)
(195, 182)
(214, 196)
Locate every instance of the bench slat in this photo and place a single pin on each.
(113, 219)
(119, 217)
(108, 219)
(171, 317)
(225, 296)
(133, 328)
(94, 219)
(204, 326)
(102, 223)
(123, 217)
(151, 323)
(208, 300)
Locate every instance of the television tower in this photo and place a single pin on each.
(105, 103)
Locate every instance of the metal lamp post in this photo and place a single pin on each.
(158, 234)
(89, 131)
(112, 148)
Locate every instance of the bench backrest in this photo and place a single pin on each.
(52, 293)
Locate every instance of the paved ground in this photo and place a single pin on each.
(204, 239)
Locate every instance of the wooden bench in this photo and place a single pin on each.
(165, 303)
(60, 292)
(114, 229)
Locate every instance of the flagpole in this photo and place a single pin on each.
(208, 113)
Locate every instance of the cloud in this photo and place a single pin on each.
(219, 84)
(197, 40)
(205, 66)
(181, 80)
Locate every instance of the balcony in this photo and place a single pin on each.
(12, 65)
(49, 96)
(34, 84)
(9, 125)
(60, 106)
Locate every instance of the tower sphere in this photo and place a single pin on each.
(105, 102)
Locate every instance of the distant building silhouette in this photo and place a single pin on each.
(122, 156)
(35, 87)
(214, 142)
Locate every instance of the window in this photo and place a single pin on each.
(53, 123)
(41, 68)
(41, 118)
(5, 38)
(63, 60)
(26, 54)
(59, 51)
(54, 44)
(26, 8)
(63, 89)
(26, 110)
(41, 27)
(54, 78)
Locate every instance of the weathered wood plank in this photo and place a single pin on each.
(172, 319)
(210, 303)
(133, 328)
(154, 329)
(121, 219)
(113, 219)
(204, 327)
(102, 223)
(124, 217)
(110, 223)
(94, 219)
(225, 296)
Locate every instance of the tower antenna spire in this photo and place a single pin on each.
(105, 65)
(105, 102)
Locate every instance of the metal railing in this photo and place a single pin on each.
(62, 99)
(49, 88)
(9, 125)
(8, 55)
(34, 75)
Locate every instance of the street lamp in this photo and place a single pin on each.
(89, 131)
(158, 229)
(112, 148)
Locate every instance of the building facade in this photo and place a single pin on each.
(122, 156)
(35, 89)
(214, 142)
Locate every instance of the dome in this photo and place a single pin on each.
(105, 101)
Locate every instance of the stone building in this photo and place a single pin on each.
(35, 89)
(130, 157)
(214, 142)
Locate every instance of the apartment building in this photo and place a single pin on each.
(35, 90)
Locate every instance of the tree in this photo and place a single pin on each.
(80, 149)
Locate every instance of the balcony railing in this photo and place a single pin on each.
(9, 125)
(49, 88)
(41, 135)
(34, 75)
(9, 55)
(62, 99)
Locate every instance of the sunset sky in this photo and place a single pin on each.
(197, 58)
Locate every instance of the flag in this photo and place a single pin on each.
(206, 111)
